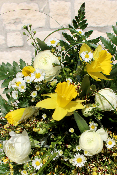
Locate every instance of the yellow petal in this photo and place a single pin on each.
(97, 51)
(59, 113)
(14, 117)
(27, 70)
(49, 103)
(73, 105)
(97, 76)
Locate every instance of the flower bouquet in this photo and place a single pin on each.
(60, 114)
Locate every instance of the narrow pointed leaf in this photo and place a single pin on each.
(42, 45)
(81, 123)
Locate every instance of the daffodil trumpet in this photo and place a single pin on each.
(61, 101)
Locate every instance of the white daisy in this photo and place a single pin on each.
(15, 94)
(80, 31)
(24, 172)
(93, 126)
(60, 152)
(52, 42)
(19, 75)
(110, 143)
(38, 75)
(16, 82)
(28, 79)
(86, 153)
(34, 94)
(86, 56)
(33, 99)
(78, 148)
(37, 163)
(37, 87)
(71, 130)
(69, 80)
(44, 116)
(79, 160)
(22, 87)
(53, 82)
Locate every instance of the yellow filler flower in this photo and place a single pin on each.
(102, 63)
(27, 70)
(61, 101)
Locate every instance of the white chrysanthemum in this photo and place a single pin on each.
(69, 80)
(19, 75)
(93, 126)
(71, 130)
(24, 172)
(80, 31)
(78, 148)
(37, 163)
(15, 94)
(110, 143)
(86, 56)
(38, 75)
(44, 116)
(79, 160)
(52, 42)
(34, 94)
(22, 87)
(28, 79)
(37, 87)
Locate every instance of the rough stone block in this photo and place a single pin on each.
(59, 11)
(16, 15)
(99, 12)
(2, 39)
(14, 39)
(16, 55)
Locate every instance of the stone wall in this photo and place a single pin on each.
(46, 16)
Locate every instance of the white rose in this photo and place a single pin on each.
(91, 141)
(18, 147)
(44, 61)
(103, 134)
(103, 103)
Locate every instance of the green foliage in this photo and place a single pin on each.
(42, 45)
(81, 123)
(111, 43)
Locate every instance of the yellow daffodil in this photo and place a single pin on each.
(27, 70)
(18, 115)
(101, 63)
(61, 101)
(13, 117)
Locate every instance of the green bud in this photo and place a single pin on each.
(25, 27)
(34, 32)
(59, 143)
(32, 43)
(24, 33)
(72, 61)
(70, 74)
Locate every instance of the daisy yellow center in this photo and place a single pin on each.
(37, 75)
(24, 172)
(92, 126)
(22, 87)
(79, 160)
(18, 83)
(65, 93)
(85, 152)
(80, 32)
(53, 42)
(110, 142)
(86, 56)
(37, 163)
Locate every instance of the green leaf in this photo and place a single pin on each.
(75, 24)
(109, 46)
(68, 38)
(6, 82)
(16, 67)
(43, 45)
(113, 73)
(85, 85)
(115, 29)
(22, 64)
(113, 38)
(87, 34)
(81, 123)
